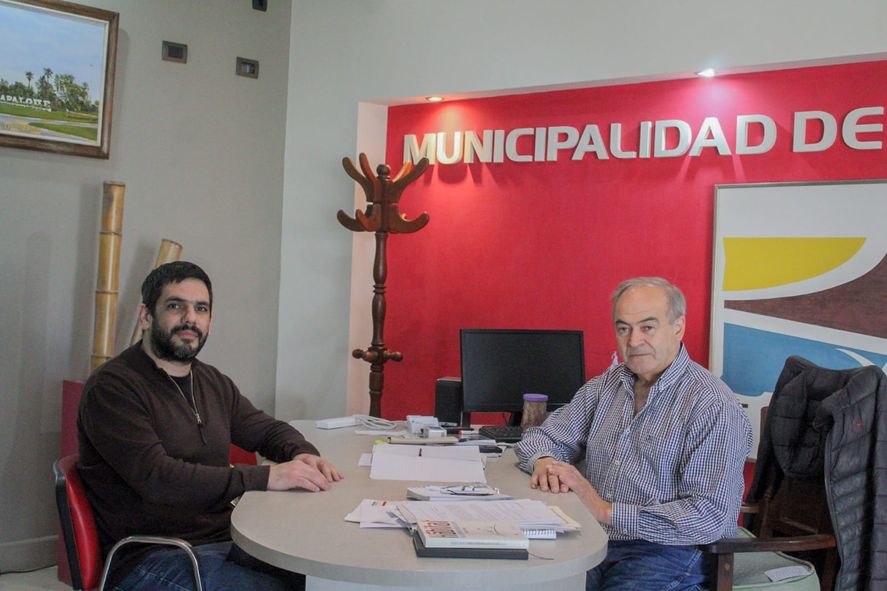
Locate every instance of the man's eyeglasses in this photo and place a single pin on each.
(474, 489)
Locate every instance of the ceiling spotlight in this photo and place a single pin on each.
(434, 99)
(706, 73)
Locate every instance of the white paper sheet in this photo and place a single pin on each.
(450, 452)
(524, 512)
(397, 433)
(439, 494)
(426, 469)
(374, 513)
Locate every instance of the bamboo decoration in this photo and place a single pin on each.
(168, 252)
(110, 237)
(382, 217)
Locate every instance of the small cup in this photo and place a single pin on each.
(535, 406)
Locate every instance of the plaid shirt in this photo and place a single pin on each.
(673, 471)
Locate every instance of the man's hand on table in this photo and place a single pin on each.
(305, 471)
(551, 475)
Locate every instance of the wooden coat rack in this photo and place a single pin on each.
(382, 217)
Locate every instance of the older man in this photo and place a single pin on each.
(664, 443)
(154, 428)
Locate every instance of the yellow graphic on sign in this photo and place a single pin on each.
(757, 263)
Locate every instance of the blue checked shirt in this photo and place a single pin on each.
(673, 471)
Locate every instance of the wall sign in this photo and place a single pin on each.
(799, 269)
(812, 131)
(522, 235)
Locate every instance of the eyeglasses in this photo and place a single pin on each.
(473, 489)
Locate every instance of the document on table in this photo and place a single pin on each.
(445, 494)
(427, 463)
(375, 513)
(526, 513)
(450, 452)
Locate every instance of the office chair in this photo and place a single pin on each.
(81, 535)
(241, 456)
(791, 517)
(817, 417)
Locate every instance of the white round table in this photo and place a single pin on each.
(306, 532)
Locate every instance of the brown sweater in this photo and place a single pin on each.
(146, 465)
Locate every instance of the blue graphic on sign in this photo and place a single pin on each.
(754, 358)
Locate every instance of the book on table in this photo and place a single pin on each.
(469, 552)
(471, 534)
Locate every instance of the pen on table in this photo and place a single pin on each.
(420, 452)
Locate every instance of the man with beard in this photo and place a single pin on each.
(154, 429)
(664, 444)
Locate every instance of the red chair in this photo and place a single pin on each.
(81, 536)
(71, 392)
(241, 456)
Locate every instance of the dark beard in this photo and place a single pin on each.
(164, 348)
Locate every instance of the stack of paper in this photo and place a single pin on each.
(427, 463)
(375, 513)
(451, 493)
(536, 519)
(476, 441)
(527, 514)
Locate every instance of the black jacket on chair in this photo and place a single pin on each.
(833, 423)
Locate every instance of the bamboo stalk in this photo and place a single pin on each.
(110, 237)
(168, 252)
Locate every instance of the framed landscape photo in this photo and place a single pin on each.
(57, 76)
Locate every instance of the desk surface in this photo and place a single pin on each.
(306, 532)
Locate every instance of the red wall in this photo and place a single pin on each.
(542, 244)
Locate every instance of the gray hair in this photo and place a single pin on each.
(677, 305)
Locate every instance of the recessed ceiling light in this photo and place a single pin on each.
(434, 99)
(706, 73)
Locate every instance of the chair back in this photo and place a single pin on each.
(71, 391)
(789, 482)
(793, 507)
(78, 525)
(239, 455)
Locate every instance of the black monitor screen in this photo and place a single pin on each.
(500, 366)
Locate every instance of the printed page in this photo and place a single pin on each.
(425, 469)
(524, 512)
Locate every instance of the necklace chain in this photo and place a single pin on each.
(193, 401)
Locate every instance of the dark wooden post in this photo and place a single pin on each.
(382, 217)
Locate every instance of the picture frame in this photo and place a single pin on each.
(57, 67)
(799, 268)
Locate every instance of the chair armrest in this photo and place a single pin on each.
(787, 544)
(721, 553)
(749, 508)
(179, 543)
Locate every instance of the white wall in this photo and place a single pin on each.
(201, 153)
(348, 51)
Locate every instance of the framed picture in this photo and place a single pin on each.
(799, 269)
(57, 76)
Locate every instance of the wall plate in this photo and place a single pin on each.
(175, 52)
(247, 67)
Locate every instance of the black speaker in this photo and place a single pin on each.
(448, 401)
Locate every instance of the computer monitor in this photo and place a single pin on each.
(500, 366)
